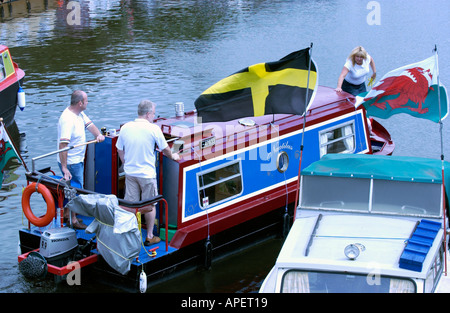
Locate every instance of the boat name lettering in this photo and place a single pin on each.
(276, 149)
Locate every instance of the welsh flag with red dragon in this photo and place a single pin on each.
(7, 151)
(412, 89)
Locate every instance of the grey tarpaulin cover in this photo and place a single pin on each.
(117, 232)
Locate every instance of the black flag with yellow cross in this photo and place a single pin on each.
(261, 89)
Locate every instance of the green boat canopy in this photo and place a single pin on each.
(400, 168)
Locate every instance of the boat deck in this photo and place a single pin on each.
(335, 232)
(146, 254)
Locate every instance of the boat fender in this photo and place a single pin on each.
(46, 194)
(208, 254)
(286, 224)
(143, 282)
(21, 99)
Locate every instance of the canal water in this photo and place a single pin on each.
(120, 52)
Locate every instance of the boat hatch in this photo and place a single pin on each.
(419, 245)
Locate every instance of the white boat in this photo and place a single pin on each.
(367, 223)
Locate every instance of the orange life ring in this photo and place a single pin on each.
(49, 215)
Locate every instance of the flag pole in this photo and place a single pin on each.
(303, 137)
(442, 160)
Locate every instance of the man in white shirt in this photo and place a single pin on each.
(71, 131)
(136, 149)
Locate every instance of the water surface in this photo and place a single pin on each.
(168, 51)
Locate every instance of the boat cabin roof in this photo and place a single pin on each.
(187, 128)
(314, 245)
(325, 97)
(399, 168)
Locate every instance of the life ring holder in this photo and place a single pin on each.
(48, 197)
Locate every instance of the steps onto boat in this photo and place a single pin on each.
(419, 244)
(171, 231)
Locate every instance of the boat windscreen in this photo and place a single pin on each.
(295, 281)
(407, 198)
(339, 193)
(371, 195)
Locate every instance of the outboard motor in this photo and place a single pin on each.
(58, 245)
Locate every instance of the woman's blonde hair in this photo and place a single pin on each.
(358, 51)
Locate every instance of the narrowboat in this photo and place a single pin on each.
(367, 224)
(11, 92)
(235, 183)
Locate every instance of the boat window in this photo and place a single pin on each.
(339, 139)
(340, 193)
(220, 183)
(6, 66)
(406, 198)
(282, 162)
(436, 270)
(295, 281)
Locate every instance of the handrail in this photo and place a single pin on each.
(166, 206)
(58, 151)
(130, 204)
(157, 198)
(313, 234)
(141, 203)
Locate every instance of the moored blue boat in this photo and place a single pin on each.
(235, 183)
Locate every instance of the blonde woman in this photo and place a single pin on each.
(354, 72)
